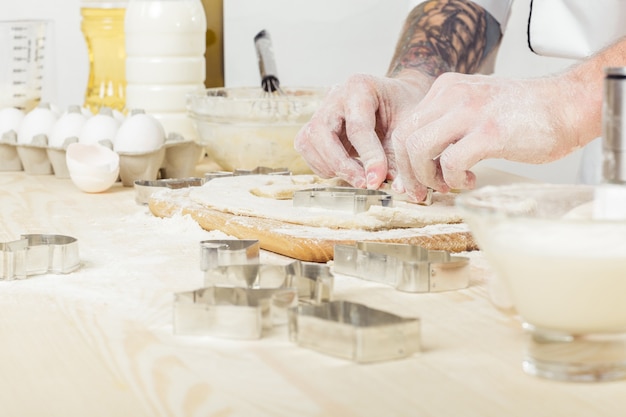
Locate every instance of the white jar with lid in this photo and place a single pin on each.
(165, 47)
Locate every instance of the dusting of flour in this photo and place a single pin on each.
(118, 258)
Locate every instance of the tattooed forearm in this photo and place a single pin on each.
(444, 35)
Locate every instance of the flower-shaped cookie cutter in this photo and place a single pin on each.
(406, 267)
(354, 331)
(36, 254)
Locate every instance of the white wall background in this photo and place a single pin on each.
(316, 42)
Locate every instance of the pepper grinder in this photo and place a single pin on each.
(614, 126)
(610, 198)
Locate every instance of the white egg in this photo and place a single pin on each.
(55, 109)
(38, 121)
(103, 126)
(86, 112)
(119, 115)
(139, 133)
(10, 120)
(69, 125)
(93, 168)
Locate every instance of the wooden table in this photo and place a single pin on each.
(99, 341)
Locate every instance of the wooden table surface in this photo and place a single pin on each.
(99, 341)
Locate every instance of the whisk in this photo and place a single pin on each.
(276, 102)
(267, 64)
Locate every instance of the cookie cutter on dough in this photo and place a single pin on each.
(406, 267)
(222, 252)
(428, 200)
(262, 171)
(355, 200)
(145, 188)
(237, 172)
(241, 300)
(35, 254)
(354, 331)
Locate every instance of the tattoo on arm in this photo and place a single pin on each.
(444, 35)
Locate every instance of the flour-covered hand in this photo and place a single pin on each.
(464, 119)
(350, 135)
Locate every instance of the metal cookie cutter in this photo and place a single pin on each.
(355, 200)
(429, 198)
(145, 188)
(214, 253)
(256, 171)
(241, 301)
(354, 331)
(313, 282)
(262, 171)
(35, 254)
(406, 267)
(231, 312)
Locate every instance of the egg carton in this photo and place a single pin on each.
(37, 143)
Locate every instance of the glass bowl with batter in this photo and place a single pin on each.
(246, 127)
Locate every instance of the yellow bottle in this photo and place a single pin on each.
(214, 10)
(103, 27)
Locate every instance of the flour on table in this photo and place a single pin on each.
(254, 195)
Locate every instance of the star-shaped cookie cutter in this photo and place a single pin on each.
(35, 254)
(354, 331)
(406, 267)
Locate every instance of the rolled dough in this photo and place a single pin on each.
(269, 196)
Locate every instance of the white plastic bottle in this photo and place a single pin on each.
(165, 47)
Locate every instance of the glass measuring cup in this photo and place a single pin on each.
(22, 56)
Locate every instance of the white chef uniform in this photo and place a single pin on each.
(566, 28)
